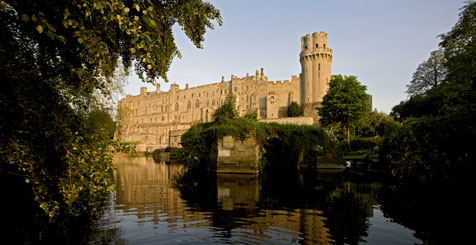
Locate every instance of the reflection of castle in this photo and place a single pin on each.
(149, 118)
(144, 190)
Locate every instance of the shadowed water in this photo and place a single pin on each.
(158, 203)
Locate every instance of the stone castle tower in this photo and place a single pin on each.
(316, 59)
(158, 119)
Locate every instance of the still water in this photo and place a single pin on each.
(157, 203)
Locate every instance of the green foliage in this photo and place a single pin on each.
(227, 111)
(431, 149)
(98, 121)
(378, 123)
(364, 143)
(291, 144)
(429, 74)
(345, 103)
(436, 146)
(252, 115)
(306, 141)
(460, 49)
(294, 110)
(196, 146)
(419, 105)
(59, 61)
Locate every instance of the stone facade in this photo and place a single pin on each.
(236, 156)
(155, 119)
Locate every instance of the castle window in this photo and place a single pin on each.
(176, 106)
(324, 46)
(193, 95)
(317, 45)
(197, 104)
(319, 67)
(162, 118)
(189, 105)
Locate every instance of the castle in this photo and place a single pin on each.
(157, 119)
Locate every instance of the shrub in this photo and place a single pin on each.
(306, 141)
(364, 143)
(294, 110)
(431, 149)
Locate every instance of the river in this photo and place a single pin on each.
(158, 203)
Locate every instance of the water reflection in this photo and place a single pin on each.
(163, 203)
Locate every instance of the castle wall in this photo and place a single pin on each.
(148, 118)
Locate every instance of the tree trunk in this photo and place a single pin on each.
(348, 135)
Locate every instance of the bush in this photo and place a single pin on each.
(364, 143)
(294, 110)
(431, 149)
(295, 141)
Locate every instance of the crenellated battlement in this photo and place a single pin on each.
(316, 59)
(153, 115)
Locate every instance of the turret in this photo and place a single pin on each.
(143, 91)
(316, 61)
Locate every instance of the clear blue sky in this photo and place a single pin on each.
(379, 41)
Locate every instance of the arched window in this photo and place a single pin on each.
(189, 105)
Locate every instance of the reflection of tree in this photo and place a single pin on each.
(436, 213)
(347, 217)
(346, 199)
(313, 204)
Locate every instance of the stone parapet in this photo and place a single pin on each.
(236, 156)
(291, 120)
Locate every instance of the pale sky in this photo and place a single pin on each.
(380, 41)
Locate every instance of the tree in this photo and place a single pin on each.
(378, 123)
(438, 146)
(57, 58)
(100, 122)
(429, 74)
(294, 110)
(460, 49)
(252, 115)
(226, 111)
(346, 103)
